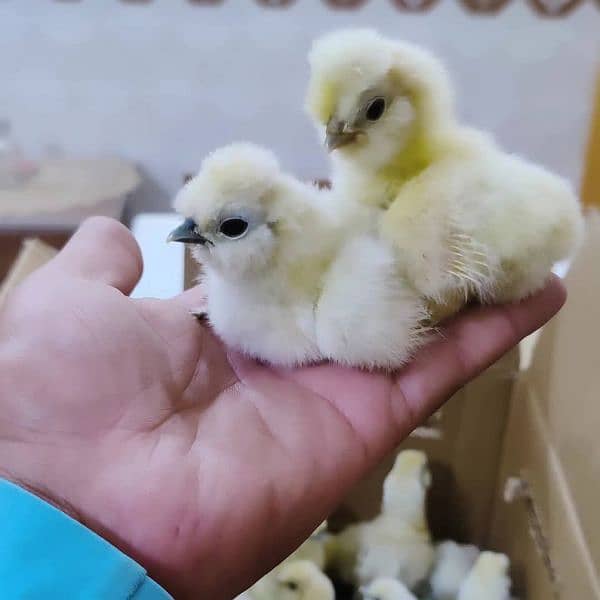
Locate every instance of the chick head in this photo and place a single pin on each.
(386, 588)
(231, 209)
(492, 565)
(451, 551)
(406, 485)
(303, 580)
(489, 576)
(374, 98)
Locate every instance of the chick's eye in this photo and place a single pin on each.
(375, 109)
(291, 585)
(233, 228)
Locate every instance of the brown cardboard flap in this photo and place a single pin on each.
(564, 377)
(540, 531)
(33, 254)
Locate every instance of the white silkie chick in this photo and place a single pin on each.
(469, 220)
(386, 588)
(303, 580)
(397, 543)
(453, 562)
(292, 275)
(488, 579)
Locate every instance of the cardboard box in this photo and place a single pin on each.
(552, 528)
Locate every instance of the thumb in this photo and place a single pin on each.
(102, 250)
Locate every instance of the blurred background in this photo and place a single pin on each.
(106, 104)
(161, 83)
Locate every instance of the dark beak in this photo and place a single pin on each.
(338, 134)
(187, 233)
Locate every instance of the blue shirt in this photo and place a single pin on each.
(47, 555)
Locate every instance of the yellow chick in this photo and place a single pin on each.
(311, 550)
(303, 580)
(385, 588)
(468, 220)
(292, 275)
(397, 543)
(488, 579)
(453, 562)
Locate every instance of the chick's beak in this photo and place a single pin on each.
(187, 233)
(338, 134)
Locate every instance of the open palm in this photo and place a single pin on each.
(204, 466)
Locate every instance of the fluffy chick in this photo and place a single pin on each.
(292, 275)
(453, 562)
(468, 219)
(397, 543)
(303, 580)
(311, 550)
(386, 588)
(488, 579)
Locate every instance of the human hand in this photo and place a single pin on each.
(203, 466)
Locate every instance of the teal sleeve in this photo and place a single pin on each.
(46, 555)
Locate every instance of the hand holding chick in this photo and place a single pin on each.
(292, 275)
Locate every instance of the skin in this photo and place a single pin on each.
(203, 466)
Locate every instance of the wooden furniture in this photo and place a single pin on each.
(63, 193)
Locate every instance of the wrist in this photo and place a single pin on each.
(43, 493)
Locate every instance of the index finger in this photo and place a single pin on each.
(383, 410)
(472, 342)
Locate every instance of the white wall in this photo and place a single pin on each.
(165, 82)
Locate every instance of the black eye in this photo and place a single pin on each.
(233, 228)
(375, 109)
(291, 585)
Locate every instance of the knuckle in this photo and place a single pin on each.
(103, 227)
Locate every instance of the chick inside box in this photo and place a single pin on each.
(513, 455)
